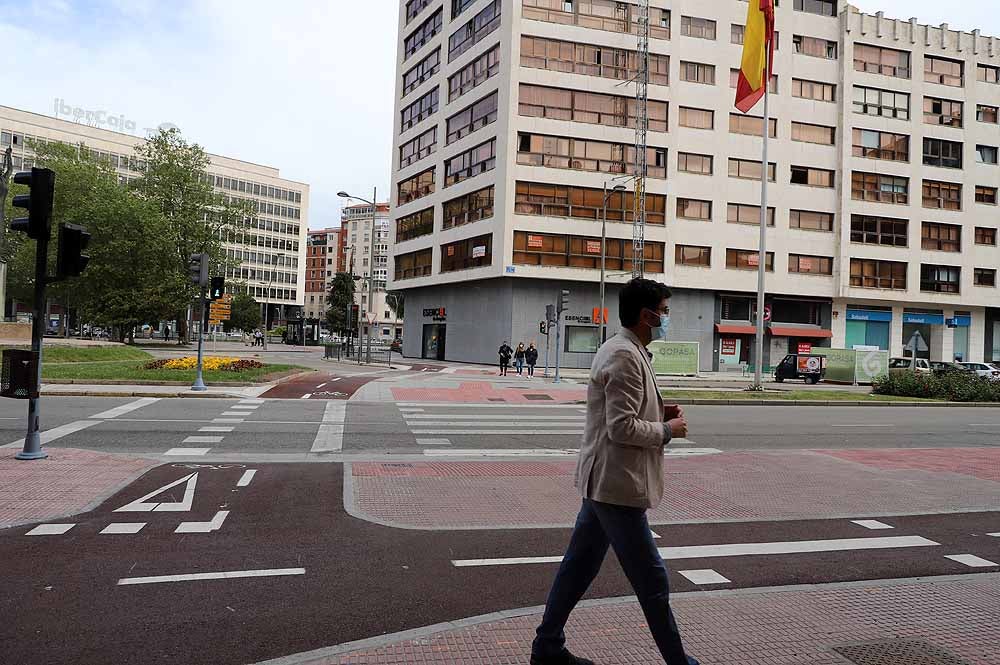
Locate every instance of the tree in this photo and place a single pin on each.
(340, 298)
(245, 313)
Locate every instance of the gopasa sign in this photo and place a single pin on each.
(675, 357)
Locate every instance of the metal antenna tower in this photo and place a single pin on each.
(641, 129)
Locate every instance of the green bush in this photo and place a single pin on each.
(951, 386)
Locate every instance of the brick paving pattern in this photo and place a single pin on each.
(721, 487)
(787, 627)
(65, 483)
(485, 392)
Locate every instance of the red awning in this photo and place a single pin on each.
(724, 329)
(801, 332)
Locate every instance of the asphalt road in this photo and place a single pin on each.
(79, 597)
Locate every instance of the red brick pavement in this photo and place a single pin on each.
(792, 626)
(720, 487)
(68, 481)
(483, 391)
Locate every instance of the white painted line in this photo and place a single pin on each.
(525, 432)
(320, 386)
(490, 405)
(330, 436)
(407, 409)
(50, 529)
(654, 534)
(513, 426)
(126, 408)
(306, 396)
(449, 370)
(872, 524)
(251, 401)
(203, 439)
(227, 420)
(229, 575)
(203, 527)
(336, 378)
(215, 429)
(56, 432)
(995, 535)
(534, 452)
(862, 426)
(582, 410)
(984, 424)
(235, 413)
(144, 505)
(245, 407)
(123, 527)
(971, 560)
(246, 477)
(453, 417)
(739, 549)
(704, 577)
(433, 442)
(187, 451)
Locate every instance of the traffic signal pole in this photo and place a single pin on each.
(199, 382)
(32, 441)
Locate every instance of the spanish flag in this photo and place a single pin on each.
(758, 54)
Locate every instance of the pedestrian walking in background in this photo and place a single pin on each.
(531, 357)
(619, 472)
(519, 358)
(166, 333)
(505, 352)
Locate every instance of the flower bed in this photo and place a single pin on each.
(209, 363)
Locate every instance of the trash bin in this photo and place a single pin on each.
(19, 374)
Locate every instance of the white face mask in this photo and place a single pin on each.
(659, 333)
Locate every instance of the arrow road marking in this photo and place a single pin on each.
(144, 505)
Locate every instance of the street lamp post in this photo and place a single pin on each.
(371, 264)
(604, 251)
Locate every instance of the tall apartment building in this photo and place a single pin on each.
(270, 251)
(369, 262)
(323, 261)
(512, 115)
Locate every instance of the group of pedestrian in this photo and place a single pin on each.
(521, 357)
(255, 338)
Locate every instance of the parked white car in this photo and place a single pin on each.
(983, 369)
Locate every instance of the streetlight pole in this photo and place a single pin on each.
(602, 337)
(371, 265)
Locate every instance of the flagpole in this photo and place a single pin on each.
(762, 260)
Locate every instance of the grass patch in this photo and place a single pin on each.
(89, 354)
(134, 372)
(789, 396)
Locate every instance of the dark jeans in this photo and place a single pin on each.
(519, 365)
(531, 370)
(627, 531)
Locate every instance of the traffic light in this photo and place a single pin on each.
(543, 327)
(38, 223)
(355, 312)
(563, 301)
(70, 258)
(198, 269)
(217, 288)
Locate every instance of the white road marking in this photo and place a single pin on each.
(403, 409)
(203, 439)
(144, 505)
(984, 424)
(873, 425)
(519, 418)
(582, 410)
(336, 378)
(545, 452)
(872, 524)
(51, 435)
(491, 405)
(654, 534)
(203, 527)
(251, 401)
(513, 425)
(704, 577)
(50, 529)
(449, 370)
(123, 527)
(126, 408)
(187, 451)
(227, 420)
(215, 429)
(526, 432)
(738, 549)
(228, 575)
(235, 413)
(330, 436)
(971, 560)
(245, 407)
(995, 535)
(306, 396)
(433, 442)
(320, 386)
(246, 477)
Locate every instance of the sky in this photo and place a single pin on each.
(302, 85)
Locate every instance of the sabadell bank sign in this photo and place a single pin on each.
(102, 119)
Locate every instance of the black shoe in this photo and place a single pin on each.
(564, 658)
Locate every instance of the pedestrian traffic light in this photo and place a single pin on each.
(70, 258)
(42, 183)
(563, 300)
(198, 269)
(217, 288)
(543, 327)
(355, 313)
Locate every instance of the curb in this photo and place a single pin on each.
(135, 393)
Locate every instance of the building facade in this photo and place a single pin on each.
(270, 251)
(323, 260)
(513, 115)
(367, 256)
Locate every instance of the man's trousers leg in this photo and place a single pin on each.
(581, 564)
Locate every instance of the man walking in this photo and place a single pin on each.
(531, 357)
(504, 352)
(619, 472)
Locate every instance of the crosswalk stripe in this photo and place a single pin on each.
(971, 560)
(548, 452)
(703, 577)
(433, 442)
(565, 432)
(575, 427)
(520, 418)
(492, 405)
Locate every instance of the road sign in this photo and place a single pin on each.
(917, 342)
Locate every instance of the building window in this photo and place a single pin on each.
(811, 265)
(942, 112)
(940, 279)
(750, 169)
(815, 90)
(807, 133)
(473, 74)
(459, 6)
(567, 251)
(880, 188)
(474, 31)
(590, 60)
(821, 7)
(815, 47)
(751, 126)
(424, 107)
(473, 117)
(413, 264)
(587, 155)
(415, 225)
(734, 81)
(739, 213)
(587, 107)
(808, 220)
(415, 187)
(986, 154)
(692, 255)
(414, 7)
(872, 144)
(874, 274)
(697, 118)
(946, 154)
(688, 162)
(423, 34)
(471, 163)
(881, 103)
(610, 15)
(941, 237)
(944, 71)
(987, 195)
(942, 195)
(422, 71)
(469, 208)
(748, 259)
(737, 33)
(984, 277)
(702, 28)
(694, 209)
(885, 61)
(986, 113)
(805, 175)
(584, 203)
(986, 236)
(466, 254)
(869, 230)
(417, 148)
(696, 72)
(988, 74)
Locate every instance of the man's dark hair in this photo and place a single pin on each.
(639, 294)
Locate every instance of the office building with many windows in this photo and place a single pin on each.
(513, 115)
(366, 256)
(323, 261)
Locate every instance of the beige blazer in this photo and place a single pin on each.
(621, 456)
